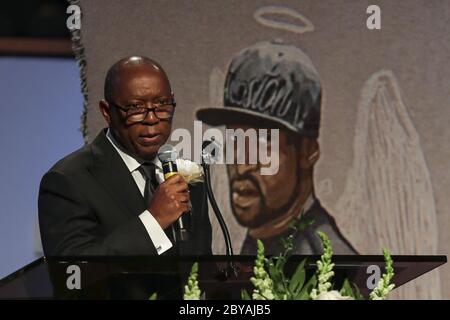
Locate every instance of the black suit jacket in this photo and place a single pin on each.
(89, 204)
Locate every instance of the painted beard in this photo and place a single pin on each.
(248, 202)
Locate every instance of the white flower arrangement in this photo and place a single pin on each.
(270, 282)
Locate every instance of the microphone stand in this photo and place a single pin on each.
(231, 269)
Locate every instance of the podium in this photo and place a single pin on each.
(139, 277)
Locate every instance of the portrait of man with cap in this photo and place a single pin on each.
(275, 85)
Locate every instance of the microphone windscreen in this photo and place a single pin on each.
(167, 153)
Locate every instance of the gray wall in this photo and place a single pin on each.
(41, 106)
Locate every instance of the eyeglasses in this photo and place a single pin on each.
(136, 112)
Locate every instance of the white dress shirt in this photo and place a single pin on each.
(156, 233)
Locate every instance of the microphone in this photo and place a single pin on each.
(168, 155)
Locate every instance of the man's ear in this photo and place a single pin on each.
(104, 109)
(309, 153)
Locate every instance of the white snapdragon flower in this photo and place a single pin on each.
(324, 269)
(261, 280)
(191, 289)
(384, 285)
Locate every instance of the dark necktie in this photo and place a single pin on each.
(148, 171)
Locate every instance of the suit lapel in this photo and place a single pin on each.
(110, 170)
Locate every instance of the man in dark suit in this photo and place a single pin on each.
(105, 198)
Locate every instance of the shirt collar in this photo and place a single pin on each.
(131, 162)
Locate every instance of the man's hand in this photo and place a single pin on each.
(170, 200)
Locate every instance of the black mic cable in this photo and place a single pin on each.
(208, 156)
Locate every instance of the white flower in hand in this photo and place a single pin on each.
(332, 295)
(189, 170)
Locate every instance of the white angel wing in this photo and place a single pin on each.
(388, 197)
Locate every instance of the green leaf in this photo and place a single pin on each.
(358, 295)
(305, 223)
(293, 224)
(347, 289)
(280, 262)
(154, 296)
(245, 295)
(302, 223)
(274, 273)
(298, 278)
(277, 275)
(306, 291)
(278, 286)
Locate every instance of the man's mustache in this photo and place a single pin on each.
(246, 177)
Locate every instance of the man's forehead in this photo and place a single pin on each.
(141, 70)
(141, 78)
